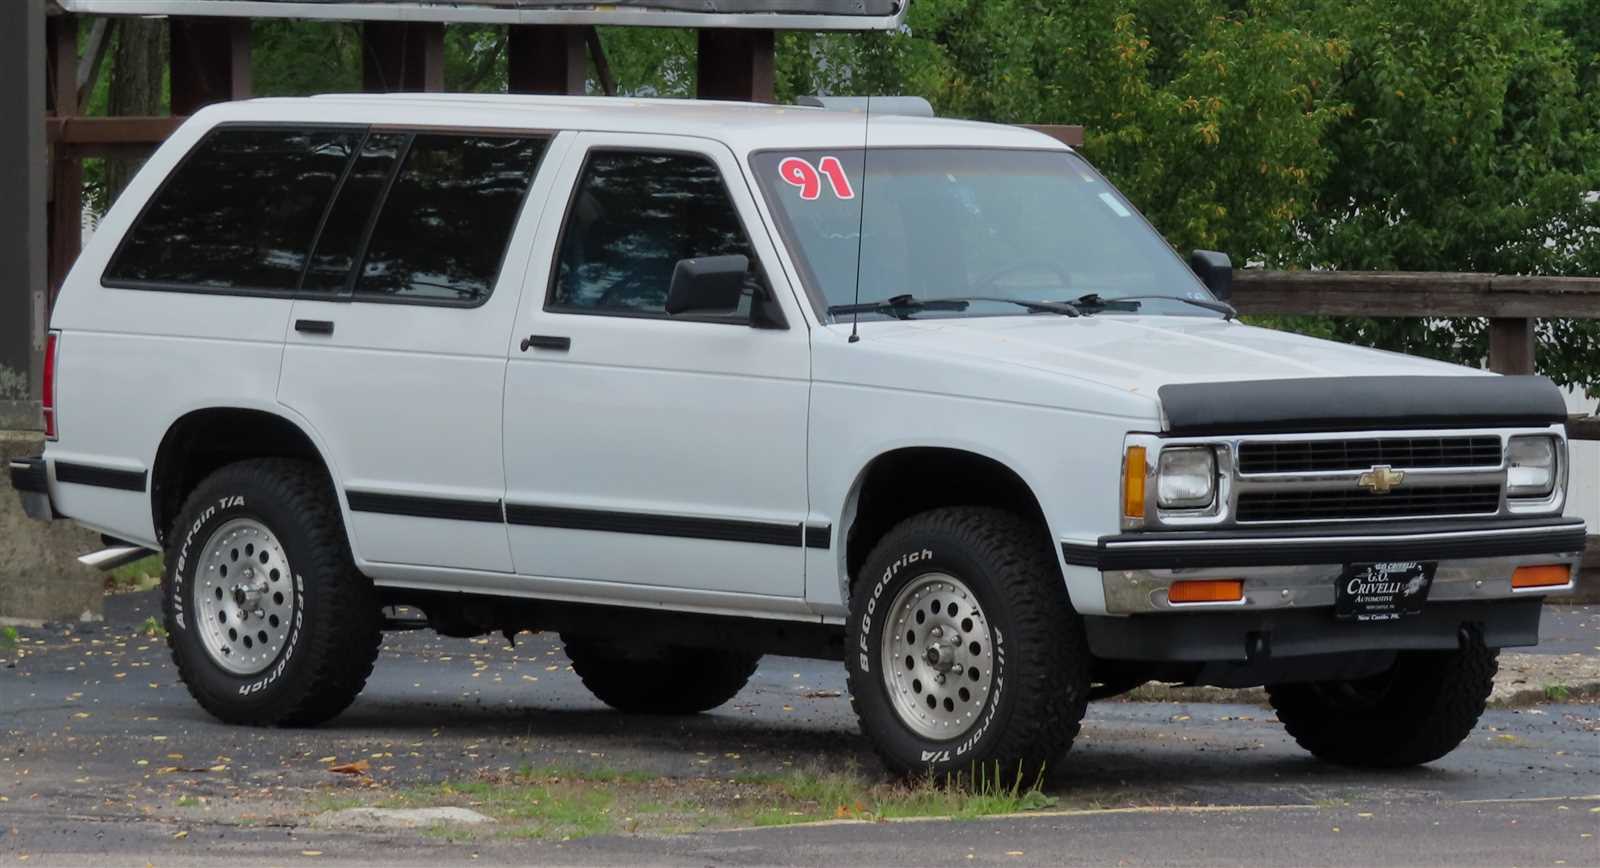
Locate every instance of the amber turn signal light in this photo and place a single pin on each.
(1542, 576)
(1206, 591)
(1133, 471)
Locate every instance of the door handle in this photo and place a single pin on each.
(314, 326)
(546, 342)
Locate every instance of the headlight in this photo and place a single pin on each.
(1530, 466)
(1186, 477)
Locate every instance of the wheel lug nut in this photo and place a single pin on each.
(938, 679)
(936, 633)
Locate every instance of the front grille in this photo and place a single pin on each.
(1299, 456)
(1319, 504)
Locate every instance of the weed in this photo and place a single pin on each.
(152, 627)
(8, 638)
(1557, 692)
(141, 575)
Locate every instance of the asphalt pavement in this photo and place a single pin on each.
(102, 745)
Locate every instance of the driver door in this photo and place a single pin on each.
(645, 450)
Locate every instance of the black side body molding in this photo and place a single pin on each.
(1359, 403)
(100, 477)
(725, 529)
(425, 507)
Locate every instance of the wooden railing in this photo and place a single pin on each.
(1511, 303)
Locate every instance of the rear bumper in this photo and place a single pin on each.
(31, 479)
(1297, 569)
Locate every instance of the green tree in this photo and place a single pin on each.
(1469, 145)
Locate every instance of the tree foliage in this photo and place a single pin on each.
(1452, 135)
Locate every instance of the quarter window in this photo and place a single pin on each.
(632, 217)
(447, 218)
(340, 242)
(239, 213)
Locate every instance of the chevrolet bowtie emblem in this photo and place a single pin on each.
(1381, 479)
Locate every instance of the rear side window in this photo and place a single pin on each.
(632, 217)
(239, 213)
(447, 218)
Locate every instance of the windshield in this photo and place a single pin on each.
(962, 222)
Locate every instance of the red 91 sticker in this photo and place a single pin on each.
(800, 173)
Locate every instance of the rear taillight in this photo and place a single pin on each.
(50, 344)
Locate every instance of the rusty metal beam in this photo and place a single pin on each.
(736, 65)
(402, 56)
(66, 170)
(1070, 135)
(1406, 293)
(210, 61)
(546, 59)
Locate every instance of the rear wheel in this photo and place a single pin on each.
(1415, 713)
(965, 656)
(268, 620)
(659, 679)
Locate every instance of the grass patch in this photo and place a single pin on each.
(8, 638)
(153, 628)
(141, 575)
(559, 810)
(1557, 692)
(979, 792)
(565, 803)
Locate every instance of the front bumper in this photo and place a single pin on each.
(31, 479)
(1297, 569)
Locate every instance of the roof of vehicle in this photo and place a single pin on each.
(742, 126)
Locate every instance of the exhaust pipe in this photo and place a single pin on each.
(116, 556)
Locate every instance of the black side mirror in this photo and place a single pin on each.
(707, 284)
(1214, 270)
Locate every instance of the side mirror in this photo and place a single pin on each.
(707, 284)
(1214, 270)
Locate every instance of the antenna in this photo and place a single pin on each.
(861, 219)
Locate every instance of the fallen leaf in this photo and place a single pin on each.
(359, 767)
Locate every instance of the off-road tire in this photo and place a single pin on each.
(1415, 713)
(659, 679)
(1041, 659)
(329, 652)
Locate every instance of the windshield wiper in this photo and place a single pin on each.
(902, 306)
(1131, 302)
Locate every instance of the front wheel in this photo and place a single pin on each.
(1415, 713)
(965, 657)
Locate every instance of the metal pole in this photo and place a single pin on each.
(23, 248)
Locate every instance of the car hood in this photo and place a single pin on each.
(1139, 354)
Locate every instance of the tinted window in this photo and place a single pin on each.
(448, 217)
(340, 241)
(633, 216)
(239, 212)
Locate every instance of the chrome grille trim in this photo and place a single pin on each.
(1460, 490)
(1360, 453)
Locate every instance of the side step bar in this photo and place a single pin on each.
(113, 557)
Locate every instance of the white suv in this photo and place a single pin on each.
(692, 382)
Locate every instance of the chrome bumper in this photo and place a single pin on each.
(1297, 569)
